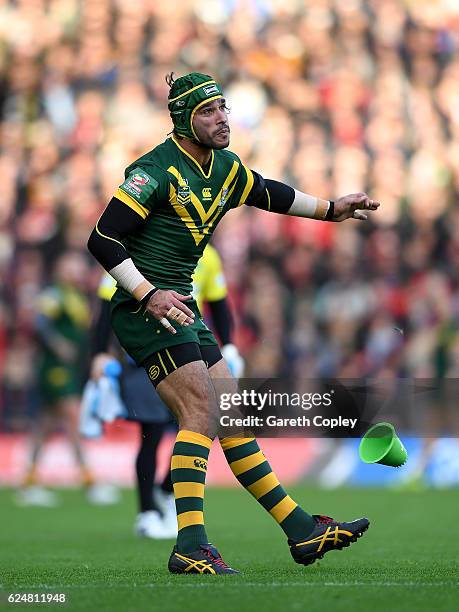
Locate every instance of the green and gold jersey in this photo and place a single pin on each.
(208, 280)
(181, 205)
(68, 310)
(68, 316)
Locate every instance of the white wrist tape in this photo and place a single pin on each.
(305, 205)
(127, 275)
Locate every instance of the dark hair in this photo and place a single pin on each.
(170, 79)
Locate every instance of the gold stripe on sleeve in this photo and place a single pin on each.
(248, 186)
(126, 199)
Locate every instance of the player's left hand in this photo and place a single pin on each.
(169, 304)
(351, 207)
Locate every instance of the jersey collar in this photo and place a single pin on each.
(193, 159)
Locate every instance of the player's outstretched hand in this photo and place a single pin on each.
(168, 306)
(352, 207)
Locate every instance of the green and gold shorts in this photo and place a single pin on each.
(141, 335)
(57, 381)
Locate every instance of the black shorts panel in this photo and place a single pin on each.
(164, 362)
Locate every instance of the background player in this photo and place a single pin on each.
(150, 238)
(62, 326)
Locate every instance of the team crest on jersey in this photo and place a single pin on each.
(183, 193)
(222, 202)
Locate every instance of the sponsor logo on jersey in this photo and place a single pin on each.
(140, 179)
(210, 89)
(183, 193)
(134, 186)
(206, 193)
(222, 202)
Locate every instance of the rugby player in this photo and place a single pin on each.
(62, 325)
(156, 518)
(150, 238)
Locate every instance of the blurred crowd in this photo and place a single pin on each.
(332, 97)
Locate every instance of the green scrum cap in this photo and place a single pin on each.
(186, 95)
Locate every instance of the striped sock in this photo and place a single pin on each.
(188, 474)
(250, 467)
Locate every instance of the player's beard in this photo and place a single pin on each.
(210, 142)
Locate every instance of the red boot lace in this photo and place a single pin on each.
(322, 518)
(217, 560)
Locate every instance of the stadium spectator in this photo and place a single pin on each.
(347, 96)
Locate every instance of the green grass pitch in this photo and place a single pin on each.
(408, 560)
